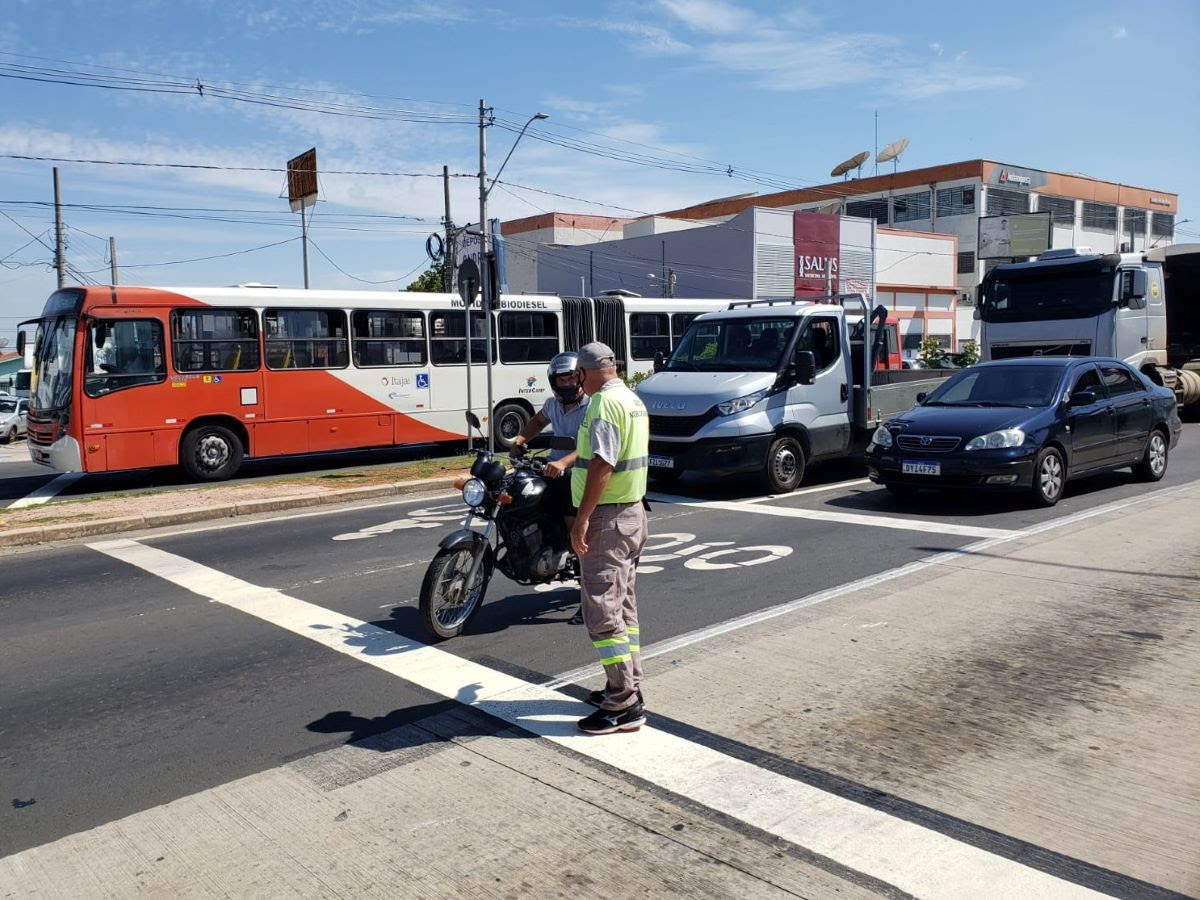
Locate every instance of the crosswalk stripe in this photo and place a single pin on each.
(915, 859)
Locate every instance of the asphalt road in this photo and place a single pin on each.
(123, 691)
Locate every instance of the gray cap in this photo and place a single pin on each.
(596, 356)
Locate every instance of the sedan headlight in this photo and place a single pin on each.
(882, 438)
(474, 492)
(740, 404)
(997, 440)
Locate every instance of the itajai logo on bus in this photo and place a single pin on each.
(530, 386)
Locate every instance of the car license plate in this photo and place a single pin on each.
(662, 462)
(908, 467)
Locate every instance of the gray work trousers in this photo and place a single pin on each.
(616, 534)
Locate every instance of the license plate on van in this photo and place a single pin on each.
(662, 462)
(909, 467)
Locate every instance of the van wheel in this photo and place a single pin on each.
(507, 422)
(211, 453)
(784, 468)
(1049, 477)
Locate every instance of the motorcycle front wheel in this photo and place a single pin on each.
(447, 604)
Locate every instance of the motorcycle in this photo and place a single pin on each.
(521, 537)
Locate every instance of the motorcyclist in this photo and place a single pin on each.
(564, 411)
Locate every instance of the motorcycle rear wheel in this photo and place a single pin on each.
(447, 606)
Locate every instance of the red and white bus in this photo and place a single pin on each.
(134, 377)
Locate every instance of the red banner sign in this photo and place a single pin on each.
(818, 241)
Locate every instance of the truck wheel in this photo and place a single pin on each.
(507, 422)
(784, 468)
(210, 453)
(1049, 477)
(1154, 462)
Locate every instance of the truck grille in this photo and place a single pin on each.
(927, 443)
(679, 426)
(1012, 351)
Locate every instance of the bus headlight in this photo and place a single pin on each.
(474, 492)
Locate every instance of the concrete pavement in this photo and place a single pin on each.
(1032, 698)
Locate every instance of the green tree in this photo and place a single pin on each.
(430, 281)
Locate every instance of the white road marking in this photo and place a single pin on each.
(927, 526)
(47, 491)
(913, 858)
(812, 490)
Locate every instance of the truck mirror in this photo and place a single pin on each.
(806, 367)
(21, 344)
(659, 362)
(1133, 288)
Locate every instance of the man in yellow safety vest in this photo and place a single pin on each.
(608, 485)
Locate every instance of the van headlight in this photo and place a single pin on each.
(997, 440)
(474, 492)
(882, 438)
(740, 404)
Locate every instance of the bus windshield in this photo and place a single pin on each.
(732, 345)
(1069, 295)
(54, 347)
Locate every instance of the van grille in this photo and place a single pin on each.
(679, 426)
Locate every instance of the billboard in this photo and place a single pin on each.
(302, 180)
(1017, 235)
(818, 243)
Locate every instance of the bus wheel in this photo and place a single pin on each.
(210, 453)
(507, 423)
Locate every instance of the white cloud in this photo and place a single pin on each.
(1118, 32)
(710, 16)
(936, 48)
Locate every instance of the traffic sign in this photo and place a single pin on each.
(468, 281)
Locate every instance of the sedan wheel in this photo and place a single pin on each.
(1154, 463)
(1049, 477)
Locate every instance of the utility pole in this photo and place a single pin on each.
(60, 262)
(448, 224)
(485, 268)
(304, 242)
(112, 259)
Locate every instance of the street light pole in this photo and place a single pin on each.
(486, 283)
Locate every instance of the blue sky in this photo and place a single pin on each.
(777, 91)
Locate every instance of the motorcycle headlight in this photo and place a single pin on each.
(997, 440)
(740, 404)
(474, 492)
(882, 438)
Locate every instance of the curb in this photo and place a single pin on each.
(39, 534)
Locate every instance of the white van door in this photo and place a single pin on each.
(824, 406)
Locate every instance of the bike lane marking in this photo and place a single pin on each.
(916, 859)
(927, 526)
(47, 491)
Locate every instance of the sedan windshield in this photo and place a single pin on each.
(732, 345)
(1018, 385)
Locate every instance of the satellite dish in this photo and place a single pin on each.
(853, 162)
(892, 152)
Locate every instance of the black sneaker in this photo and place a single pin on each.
(596, 698)
(604, 722)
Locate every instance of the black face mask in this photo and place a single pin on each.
(568, 394)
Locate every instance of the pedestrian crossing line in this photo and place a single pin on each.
(915, 859)
(47, 491)
(927, 526)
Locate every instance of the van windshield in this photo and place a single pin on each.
(732, 345)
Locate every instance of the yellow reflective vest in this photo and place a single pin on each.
(621, 407)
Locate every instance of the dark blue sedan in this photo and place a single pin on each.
(1028, 424)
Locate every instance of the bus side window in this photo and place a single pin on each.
(214, 340)
(648, 334)
(123, 353)
(528, 337)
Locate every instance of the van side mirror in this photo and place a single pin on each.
(1082, 398)
(806, 367)
(660, 362)
(1133, 288)
(921, 397)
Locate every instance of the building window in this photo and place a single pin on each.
(1062, 210)
(306, 339)
(388, 338)
(528, 337)
(876, 209)
(966, 262)
(214, 340)
(1099, 216)
(648, 335)
(1162, 225)
(956, 201)
(446, 333)
(910, 207)
(1002, 202)
(1135, 222)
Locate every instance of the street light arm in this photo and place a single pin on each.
(520, 135)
